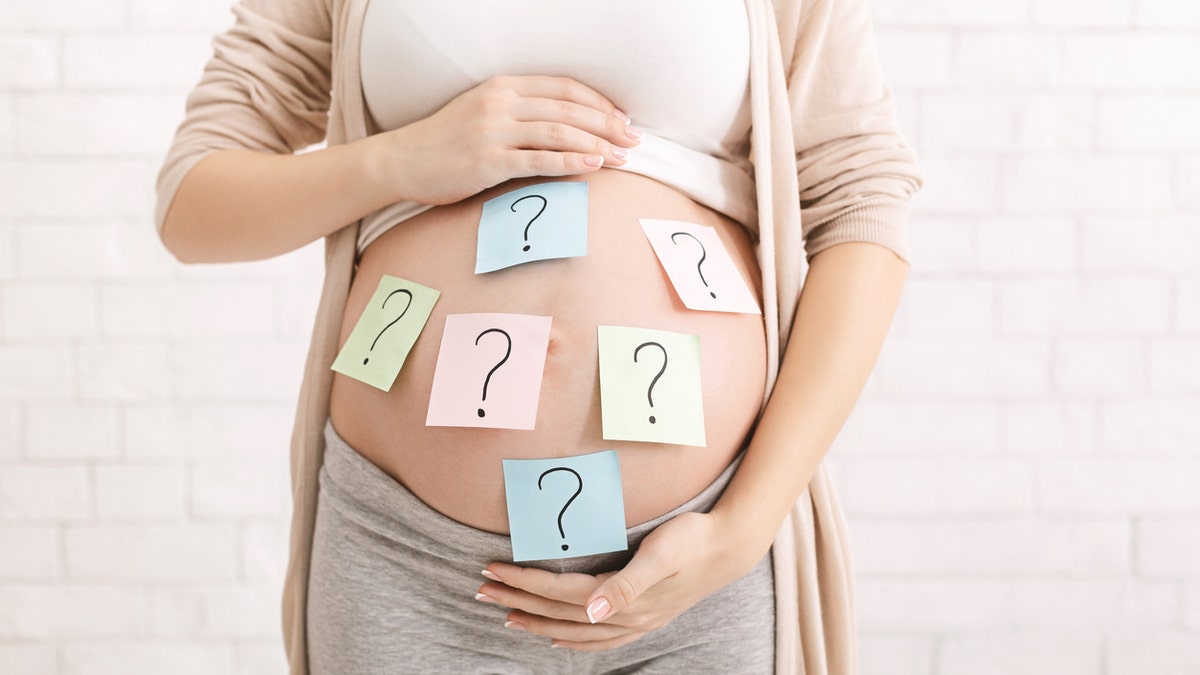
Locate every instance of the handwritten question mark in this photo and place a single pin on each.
(539, 214)
(384, 305)
(650, 389)
(497, 366)
(703, 256)
(547, 472)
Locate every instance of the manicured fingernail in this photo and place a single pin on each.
(484, 598)
(491, 575)
(514, 625)
(555, 645)
(620, 153)
(594, 160)
(621, 116)
(598, 610)
(633, 132)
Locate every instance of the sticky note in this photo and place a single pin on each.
(565, 507)
(489, 371)
(386, 332)
(536, 222)
(700, 268)
(650, 386)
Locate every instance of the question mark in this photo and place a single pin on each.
(539, 213)
(389, 297)
(650, 389)
(703, 255)
(545, 473)
(497, 366)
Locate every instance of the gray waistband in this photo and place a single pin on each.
(362, 491)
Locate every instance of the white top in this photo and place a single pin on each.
(678, 68)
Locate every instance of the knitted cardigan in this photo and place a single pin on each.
(824, 145)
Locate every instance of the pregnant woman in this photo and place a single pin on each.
(732, 114)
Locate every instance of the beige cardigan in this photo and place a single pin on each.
(824, 141)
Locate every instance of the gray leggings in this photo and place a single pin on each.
(392, 586)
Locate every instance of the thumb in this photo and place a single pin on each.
(621, 589)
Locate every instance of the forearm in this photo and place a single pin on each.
(849, 298)
(237, 205)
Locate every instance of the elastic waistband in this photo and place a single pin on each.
(361, 491)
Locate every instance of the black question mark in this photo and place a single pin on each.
(539, 213)
(703, 255)
(389, 297)
(662, 370)
(561, 533)
(497, 366)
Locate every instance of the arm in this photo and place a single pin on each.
(237, 205)
(264, 94)
(231, 188)
(854, 176)
(847, 305)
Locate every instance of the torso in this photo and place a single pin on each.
(458, 471)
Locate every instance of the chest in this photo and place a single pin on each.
(679, 66)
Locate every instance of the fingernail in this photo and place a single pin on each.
(594, 160)
(555, 645)
(620, 153)
(621, 116)
(598, 610)
(484, 598)
(514, 625)
(491, 575)
(633, 132)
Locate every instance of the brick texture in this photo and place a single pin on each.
(1020, 476)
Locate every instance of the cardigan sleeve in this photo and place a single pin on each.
(266, 88)
(855, 172)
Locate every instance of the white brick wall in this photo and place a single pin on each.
(1022, 477)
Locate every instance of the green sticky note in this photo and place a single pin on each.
(386, 332)
(650, 386)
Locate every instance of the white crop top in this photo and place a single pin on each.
(678, 68)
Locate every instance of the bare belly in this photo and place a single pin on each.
(458, 471)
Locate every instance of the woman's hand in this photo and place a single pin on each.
(506, 127)
(676, 566)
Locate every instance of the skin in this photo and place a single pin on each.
(238, 205)
(458, 471)
(849, 298)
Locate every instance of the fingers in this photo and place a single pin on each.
(573, 631)
(598, 646)
(569, 131)
(615, 130)
(533, 604)
(551, 163)
(564, 587)
(549, 115)
(562, 89)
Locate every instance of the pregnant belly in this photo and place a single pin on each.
(458, 471)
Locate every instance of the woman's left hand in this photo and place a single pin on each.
(676, 566)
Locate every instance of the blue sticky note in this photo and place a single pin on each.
(536, 222)
(565, 507)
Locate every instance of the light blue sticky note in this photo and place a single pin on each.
(536, 222)
(565, 507)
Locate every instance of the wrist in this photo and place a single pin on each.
(380, 159)
(742, 540)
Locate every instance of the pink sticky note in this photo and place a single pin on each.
(489, 371)
(701, 270)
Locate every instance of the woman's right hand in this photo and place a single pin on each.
(507, 127)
